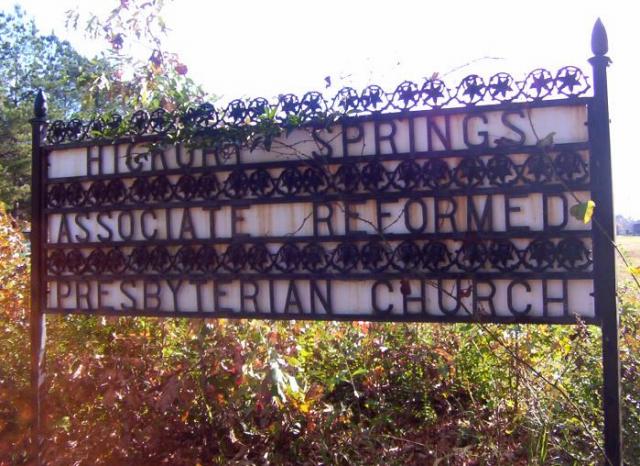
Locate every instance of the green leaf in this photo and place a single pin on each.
(359, 371)
(583, 211)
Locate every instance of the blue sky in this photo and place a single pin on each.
(251, 48)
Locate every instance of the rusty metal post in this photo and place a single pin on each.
(603, 237)
(38, 292)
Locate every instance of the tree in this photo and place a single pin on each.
(28, 61)
(76, 86)
(133, 33)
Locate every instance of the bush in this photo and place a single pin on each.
(125, 391)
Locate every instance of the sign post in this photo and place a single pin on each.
(603, 238)
(425, 204)
(38, 292)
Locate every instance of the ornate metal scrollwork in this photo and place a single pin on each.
(473, 90)
(371, 177)
(373, 256)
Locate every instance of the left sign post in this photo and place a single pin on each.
(37, 317)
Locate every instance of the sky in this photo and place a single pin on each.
(249, 48)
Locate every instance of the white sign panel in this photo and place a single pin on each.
(425, 216)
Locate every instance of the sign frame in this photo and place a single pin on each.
(602, 235)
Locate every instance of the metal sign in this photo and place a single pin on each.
(427, 203)
(418, 216)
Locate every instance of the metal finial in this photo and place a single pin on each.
(599, 42)
(40, 105)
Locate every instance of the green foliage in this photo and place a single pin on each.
(76, 87)
(28, 61)
(130, 30)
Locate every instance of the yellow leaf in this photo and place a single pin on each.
(304, 407)
(144, 94)
(634, 271)
(583, 211)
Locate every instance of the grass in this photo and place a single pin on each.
(630, 246)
